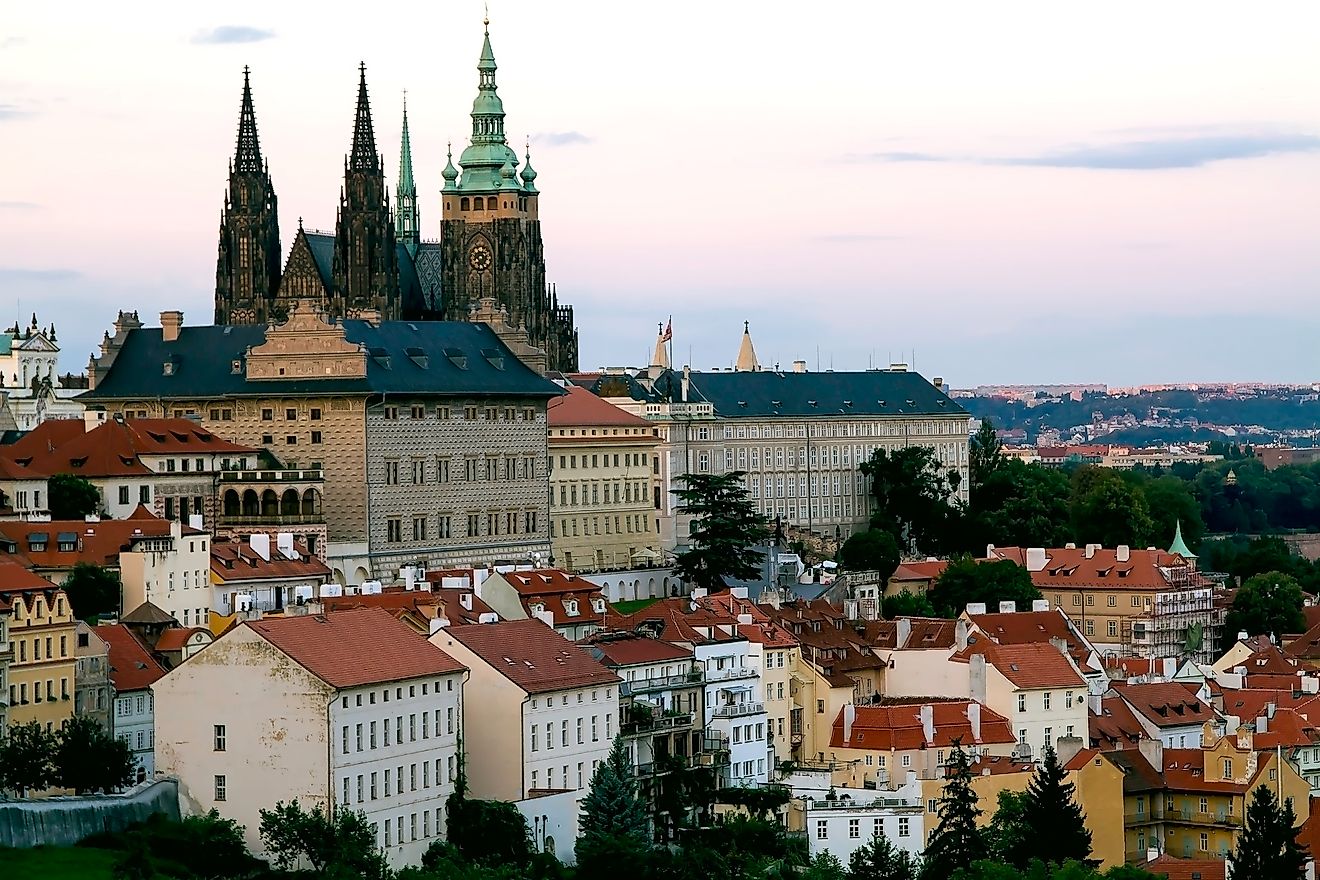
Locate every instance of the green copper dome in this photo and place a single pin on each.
(1179, 546)
(450, 173)
(485, 157)
(529, 174)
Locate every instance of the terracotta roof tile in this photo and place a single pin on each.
(1166, 704)
(12, 470)
(1068, 568)
(897, 725)
(1116, 725)
(132, 667)
(1305, 646)
(615, 649)
(1184, 770)
(114, 447)
(1027, 666)
(919, 571)
(532, 655)
(580, 407)
(233, 561)
(176, 638)
(1173, 868)
(46, 437)
(16, 577)
(97, 543)
(355, 647)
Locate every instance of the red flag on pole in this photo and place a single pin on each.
(669, 331)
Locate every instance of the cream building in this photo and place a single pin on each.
(603, 489)
(1035, 686)
(547, 714)
(43, 656)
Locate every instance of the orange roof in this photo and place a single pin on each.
(113, 448)
(1305, 646)
(1081, 759)
(16, 577)
(132, 667)
(46, 437)
(1173, 868)
(631, 649)
(1272, 660)
(1248, 704)
(1068, 568)
(995, 765)
(580, 407)
(919, 571)
(98, 543)
(176, 637)
(1184, 770)
(1288, 728)
(1115, 726)
(1029, 666)
(541, 581)
(897, 726)
(1166, 704)
(357, 647)
(237, 561)
(532, 655)
(12, 470)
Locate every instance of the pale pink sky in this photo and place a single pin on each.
(1034, 191)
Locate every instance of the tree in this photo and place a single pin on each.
(25, 758)
(965, 580)
(1107, 510)
(913, 495)
(1267, 846)
(1053, 822)
(879, 859)
(92, 591)
(1021, 505)
(1171, 504)
(614, 828)
(985, 454)
(72, 497)
(487, 833)
(1267, 603)
(957, 841)
(339, 845)
(824, 866)
(873, 550)
(1006, 834)
(136, 862)
(907, 604)
(88, 759)
(725, 528)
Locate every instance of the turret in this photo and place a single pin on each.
(407, 222)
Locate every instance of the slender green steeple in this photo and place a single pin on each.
(528, 172)
(450, 173)
(363, 157)
(484, 159)
(1179, 546)
(407, 227)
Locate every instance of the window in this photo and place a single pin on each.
(1205, 841)
(1077, 600)
(1113, 628)
(1112, 601)
(419, 528)
(822, 830)
(316, 436)
(391, 473)
(1046, 699)
(220, 788)
(391, 413)
(394, 529)
(219, 737)
(854, 828)
(904, 826)
(267, 415)
(1022, 702)
(123, 494)
(316, 414)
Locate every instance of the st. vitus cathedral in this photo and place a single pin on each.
(376, 263)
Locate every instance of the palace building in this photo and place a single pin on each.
(375, 264)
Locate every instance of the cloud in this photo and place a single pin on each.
(38, 276)
(855, 238)
(232, 33)
(1140, 155)
(561, 138)
(19, 206)
(13, 111)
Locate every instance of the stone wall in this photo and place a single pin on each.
(63, 821)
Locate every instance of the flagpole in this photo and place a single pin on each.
(670, 329)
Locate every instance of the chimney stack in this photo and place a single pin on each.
(902, 632)
(170, 322)
(849, 716)
(928, 723)
(974, 718)
(1123, 553)
(960, 630)
(799, 366)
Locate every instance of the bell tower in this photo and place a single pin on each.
(247, 269)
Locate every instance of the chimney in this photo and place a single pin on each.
(975, 608)
(1123, 554)
(465, 599)
(1242, 635)
(799, 366)
(738, 592)
(260, 545)
(1097, 703)
(849, 716)
(284, 542)
(928, 722)
(1263, 724)
(1035, 558)
(1061, 644)
(170, 322)
(960, 633)
(1090, 550)
(1153, 751)
(974, 719)
(1269, 708)
(989, 551)
(1067, 748)
(1152, 854)
(903, 632)
(687, 381)
(1007, 607)
(938, 382)
(1040, 604)
(976, 677)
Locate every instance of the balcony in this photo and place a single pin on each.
(656, 724)
(271, 498)
(732, 674)
(737, 710)
(661, 683)
(274, 475)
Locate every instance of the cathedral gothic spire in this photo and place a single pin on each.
(365, 264)
(247, 272)
(405, 194)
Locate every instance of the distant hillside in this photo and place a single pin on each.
(1163, 436)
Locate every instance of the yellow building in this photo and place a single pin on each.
(1190, 803)
(43, 648)
(603, 498)
(1098, 789)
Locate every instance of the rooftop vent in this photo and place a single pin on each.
(380, 355)
(494, 357)
(456, 357)
(418, 356)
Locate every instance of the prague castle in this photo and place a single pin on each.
(376, 266)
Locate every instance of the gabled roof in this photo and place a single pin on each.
(149, 614)
(1166, 704)
(532, 655)
(919, 571)
(16, 577)
(1138, 773)
(1116, 726)
(1030, 666)
(176, 638)
(1069, 568)
(580, 407)
(1184, 770)
(236, 561)
(767, 393)
(97, 543)
(46, 437)
(897, 726)
(132, 667)
(114, 447)
(405, 357)
(544, 581)
(12, 470)
(615, 649)
(1173, 868)
(1273, 660)
(353, 648)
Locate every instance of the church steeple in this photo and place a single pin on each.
(405, 193)
(364, 156)
(247, 272)
(484, 159)
(746, 362)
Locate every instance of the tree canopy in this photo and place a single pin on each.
(1053, 825)
(1107, 510)
(984, 455)
(614, 834)
(725, 528)
(1269, 603)
(957, 840)
(27, 758)
(339, 845)
(92, 590)
(1267, 845)
(89, 760)
(966, 580)
(912, 494)
(874, 549)
(72, 497)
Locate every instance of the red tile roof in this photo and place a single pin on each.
(1248, 704)
(1173, 868)
(532, 655)
(580, 407)
(236, 561)
(1288, 729)
(1184, 770)
(1116, 726)
(1272, 660)
(45, 438)
(114, 447)
(995, 765)
(132, 667)
(12, 470)
(1070, 569)
(1306, 645)
(1166, 704)
(919, 571)
(1029, 666)
(897, 726)
(98, 543)
(437, 602)
(1081, 759)
(630, 649)
(16, 577)
(357, 647)
(176, 637)
(1024, 627)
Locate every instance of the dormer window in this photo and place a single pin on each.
(571, 607)
(537, 608)
(598, 605)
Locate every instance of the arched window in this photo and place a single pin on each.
(232, 504)
(251, 506)
(289, 503)
(463, 203)
(478, 204)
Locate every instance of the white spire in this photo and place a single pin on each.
(746, 362)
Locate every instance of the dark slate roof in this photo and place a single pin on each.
(322, 245)
(767, 393)
(203, 355)
(601, 383)
(410, 287)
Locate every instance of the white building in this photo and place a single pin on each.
(170, 570)
(250, 574)
(735, 712)
(348, 709)
(133, 670)
(547, 713)
(29, 375)
(1035, 686)
(842, 821)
